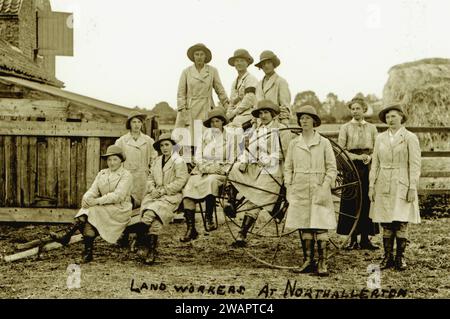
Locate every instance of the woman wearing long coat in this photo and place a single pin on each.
(165, 183)
(139, 152)
(260, 166)
(243, 90)
(106, 206)
(197, 82)
(394, 177)
(357, 137)
(211, 165)
(310, 172)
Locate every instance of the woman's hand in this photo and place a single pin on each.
(89, 202)
(411, 196)
(371, 194)
(366, 159)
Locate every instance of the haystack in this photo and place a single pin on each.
(423, 87)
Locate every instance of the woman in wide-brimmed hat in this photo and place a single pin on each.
(357, 137)
(168, 176)
(211, 165)
(243, 89)
(260, 166)
(197, 82)
(273, 87)
(106, 206)
(393, 181)
(138, 149)
(310, 172)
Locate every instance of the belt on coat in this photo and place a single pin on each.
(393, 166)
(309, 171)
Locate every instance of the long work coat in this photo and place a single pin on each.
(395, 169)
(243, 99)
(113, 213)
(276, 89)
(210, 156)
(139, 156)
(306, 169)
(172, 178)
(194, 96)
(265, 158)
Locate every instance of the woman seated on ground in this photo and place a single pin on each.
(106, 206)
(310, 172)
(257, 175)
(208, 174)
(168, 176)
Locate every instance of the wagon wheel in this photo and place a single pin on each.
(268, 241)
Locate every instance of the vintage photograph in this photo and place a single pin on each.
(224, 149)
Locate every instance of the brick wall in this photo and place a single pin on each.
(9, 30)
(27, 28)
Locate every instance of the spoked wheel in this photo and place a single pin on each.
(268, 240)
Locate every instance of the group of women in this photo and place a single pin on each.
(388, 165)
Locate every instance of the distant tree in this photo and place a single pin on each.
(165, 113)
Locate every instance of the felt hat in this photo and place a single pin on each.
(114, 150)
(268, 55)
(309, 110)
(199, 47)
(240, 53)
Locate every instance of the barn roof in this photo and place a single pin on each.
(55, 91)
(14, 62)
(10, 7)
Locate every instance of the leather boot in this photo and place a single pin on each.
(140, 245)
(210, 204)
(191, 232)
(88, 249)
(322, 249)
(64, 238)
(388, 260)
(353, 243)
(400, 262)
(308, 263)
(247, 223)
(152, 243)
(366, 244)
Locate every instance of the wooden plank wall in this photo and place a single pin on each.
(48, 171)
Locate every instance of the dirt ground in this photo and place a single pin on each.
(209, 268)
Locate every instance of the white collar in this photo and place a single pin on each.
(358, 122)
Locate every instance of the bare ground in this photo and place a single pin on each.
(212, 269)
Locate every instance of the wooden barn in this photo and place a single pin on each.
(50, 139)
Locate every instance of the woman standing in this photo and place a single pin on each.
(105, 207)
(357, 137)
(164, 194)
(243, 90)
(310, 172)
(139, 152)
(195, 88)
(208, 174)
(393, 184)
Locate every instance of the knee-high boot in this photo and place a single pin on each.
(152, 244)
(210, 204)
(308, 257)
(322, 249)
(191, 232)
(64, 238)
(388, 260)
(247, 223)
(87, 255)
(400, 262)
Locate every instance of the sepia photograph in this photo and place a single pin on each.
(240, 152)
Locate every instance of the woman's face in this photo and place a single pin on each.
(216, 123)
(265, 116)
(306, 122)
(267, 67)
(113, 162)
(357, 111)
(240, 64)
(136, 124)
(166, 148)
(394, 119)
(199, 57)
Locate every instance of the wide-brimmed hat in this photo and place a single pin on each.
(268, 55)
(115, 150)
(389, 107)
(309, 110)
(217, 112)
(199, 47)
(240, 53)
(266, 105)
(134, 114)
(360, 101)
(163, 137)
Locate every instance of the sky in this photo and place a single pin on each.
(132, 52)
